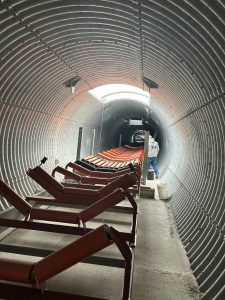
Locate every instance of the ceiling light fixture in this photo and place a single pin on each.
(71, 83)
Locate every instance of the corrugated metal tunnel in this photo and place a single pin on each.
(49, 46)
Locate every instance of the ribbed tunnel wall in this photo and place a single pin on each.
(178, 44)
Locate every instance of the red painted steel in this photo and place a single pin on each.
(15, 270)
(70, 217)
(69, 183)
(67, 173)
(78, 168)
(35, 213)
(117, 186)
(48, 227)
(54, 215)
(36, 273)
(125, 251)
(81, 179)
(78, 195)
(103, 204)
(82, 170)
(134, 223)
(70, 255)
(18, 202)
(121, 154)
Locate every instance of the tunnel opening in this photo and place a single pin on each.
(122, 103)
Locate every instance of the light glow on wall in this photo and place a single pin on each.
(113, 92)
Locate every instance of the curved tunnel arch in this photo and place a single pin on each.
(178, 44)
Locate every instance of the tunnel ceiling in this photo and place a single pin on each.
(178, 44)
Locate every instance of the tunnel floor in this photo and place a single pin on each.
(161, 269)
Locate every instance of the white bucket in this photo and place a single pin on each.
(163, 191)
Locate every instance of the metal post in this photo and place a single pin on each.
(144, 170)
(93, 142)
(120, 140)
(80, 133)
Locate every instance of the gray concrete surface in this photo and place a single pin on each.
(161, 269)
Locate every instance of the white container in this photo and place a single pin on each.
(163, 191)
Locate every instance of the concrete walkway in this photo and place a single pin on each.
(161, 269)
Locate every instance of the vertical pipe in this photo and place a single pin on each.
(120, 140)
(80, 133)
(93, 141)
(145, 157)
